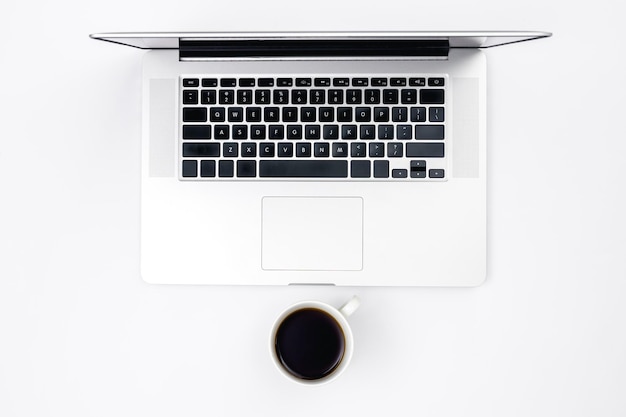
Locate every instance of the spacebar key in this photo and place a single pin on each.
(303, 169)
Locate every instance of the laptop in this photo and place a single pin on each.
(314, 158)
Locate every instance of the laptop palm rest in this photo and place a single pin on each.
(312, 233)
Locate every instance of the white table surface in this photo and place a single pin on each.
(82, 335)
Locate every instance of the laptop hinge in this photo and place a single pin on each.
(297, 49)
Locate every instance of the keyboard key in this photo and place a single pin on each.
(257, 132)
(341, 82)
(194, 114)
(360, 82)
(353, 97)
(436, 173)
(368, 132)
(235, 114)
(399, 114)
(357, 149)
(322, 82)
(303, 169)
(226, 169)
(228, 82)
(348, 132)
(335, 96)
(284, 82)
(312, 131)
(377, 150)
(417, 82)
(271, 114)
(246, 82)
(429, 132)
(395, 150)
(294, 132)
(221, 132)
(327, 114)
(321, 149)
(318, 97)
(209, 82)
(303, 82)
(381, 169)
(431, 96)
(330, 132)
(196, 132)
(435, 82)
(425, 150)
(379, 82)
(248, 150)
(281, 96)
(227, 96)
(307, 114)
(418, 114)
(246, 169)
(208, 97)
(398, 82)
(418, 169)
(399, 173)
(418, 174)
(408, 96)
(190, 97)
(230, 150)
(363, 114)
(240, 132)
(340, 150)
(190, 169)
(191, 82)
(266, 82)
(253, 114)
(244, 96)
(303, 150)
(285, 150)
(218, 114)
(200, 149)
(290, 114)
(277, 132)
(404, 132)
(436, 114)
(360, 169)
(266, 150)
(372, 97)
(207, 168)
(262, 97)
(298, 96)
(390, 96)
(344, 114)
(385, 131)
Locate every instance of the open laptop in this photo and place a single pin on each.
(314, 158)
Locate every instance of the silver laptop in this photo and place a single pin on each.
(314, 158)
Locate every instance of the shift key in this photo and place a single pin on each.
(425, 150)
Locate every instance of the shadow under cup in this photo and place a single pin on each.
(310, 344)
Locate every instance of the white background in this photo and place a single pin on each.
(82, 335)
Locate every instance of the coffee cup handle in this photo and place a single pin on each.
(350, 307)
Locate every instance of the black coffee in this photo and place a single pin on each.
(310, 343)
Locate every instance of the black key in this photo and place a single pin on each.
(399, 173)
(266, 150)
(436, 114)
(379, 82)
(312, 131)
(266, 82)
(246, 82)
(285, 150)
(246, 169)
(298, 96)
(344, 114)
(281, 96)
(377, 150)
(294, 132)
(191, 82)
(399, 114)
(318, 97)
(417, 82)
(240, 132)
(418, 169)
(381, 169)
(262, 97)
(353, 97)
(194, 114)
(227, 96)
(348, 132)
(190, 97)
(253, 114)
(201, 149)
(418, 114)
(244, 96)
(381, 114)
(248, 150)
(341, 82)
(385, 131)
(307, 114)
(235, 114)
(436, 173)
(357, 149)
(398, 82)
(226, 168)
(322, 82)
(230, 150)
(335, 96)
(284, 82)
(360, 82)
(390, 96)
(395, 150)
(303, 82)
(218, 114)
(368, 132)
(304, 169)
(340, 150)
(196, 132)
(418, 174)
(190, 169)
(207, 168)
(435, 82)
(271, 114)
(372, 97)
(228, 82)
(327, 114)
(363, 114)
(321, 149)
(429, 132)
(257, 132)
(408, 96)
(208, 97)
(360, 169)
(431, 96)
(404, 132)
(277, 132)
(331, 132)
(290, 114)
(209, 82)
(303, 150)
(425, 150)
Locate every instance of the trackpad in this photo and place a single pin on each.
(312, 233)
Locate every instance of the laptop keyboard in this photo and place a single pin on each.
(355, 128)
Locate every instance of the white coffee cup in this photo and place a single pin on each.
(311, 342)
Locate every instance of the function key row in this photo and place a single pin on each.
(317, 82)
